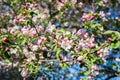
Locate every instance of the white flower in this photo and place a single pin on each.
(67, 32)
(66, 45)
(102, 13)
(34, 47)
(117, 59)
(105, 51)
(13, 51)
(50, 27)
(34, 19)
(66, 24)
(80, 58)
(31, 56)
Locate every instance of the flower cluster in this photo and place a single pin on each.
(34, 38)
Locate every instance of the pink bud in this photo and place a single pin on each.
(79, 32)
(39, 42)
(86, 34)
(61, 37)
(24, 13)
(98, 52)
(84, 20)
(24, 7)
(71, 41)
(109, 39)
(0, 47)
(59, 44)
(17, 64)
(91, 17)
(93, 39)
(35, 5)
(41, 54)
(65, 39)
(7, 49)
(80, 58)
(43, 38)
(6, 40)
(91, 45)
(44, 48)
(27, 4)
(15, 21)
(33, 32)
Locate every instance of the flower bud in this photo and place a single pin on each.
(80, 58)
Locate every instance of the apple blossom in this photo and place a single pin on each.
(34, 47)
(80, 58)
(24, 72)
(6, 40)
(25, 30)
(33, 32)
(109, 39)
(13, 50)
(7, 49)
(50, 28)
(95, 67)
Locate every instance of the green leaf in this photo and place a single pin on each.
(10, 36)
(115, 35)
(23, 41)
(115, 45)
(57, 53)
(111, 32)
(86, 73)
(45, 54)
(7, 55)
(64, 66)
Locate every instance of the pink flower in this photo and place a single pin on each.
(86, 35)
(24, 72)
(91, 45)
(15, 21)
(64, 1)
(40, 28)
(54, 40)
(33, 32)
(73, 1)
(79, 32)
(43, 38)
(85, 16)
(16, 64)
(25, 30)
(35, 4)
(80, 4)
(95, 67)
(59, 5)
(79, 46)
(40, 42)
(65, 39)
